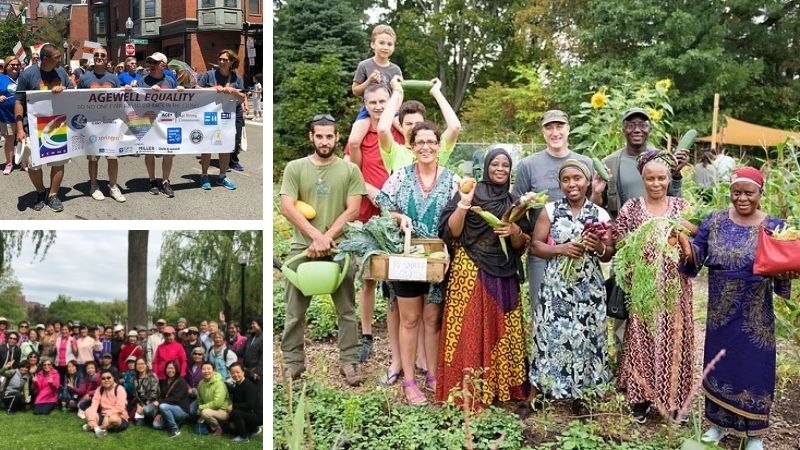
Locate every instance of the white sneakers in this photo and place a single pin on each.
(713, 435)
(81, 414)
(99, 432)
(86, 427)
(115, 192)
(754, 444)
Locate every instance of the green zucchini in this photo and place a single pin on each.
(416, 84)
(600, 168)
(688, 139)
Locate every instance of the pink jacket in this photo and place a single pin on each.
(46, 392)
(166, 353)
(110, 403)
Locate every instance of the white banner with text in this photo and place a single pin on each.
(117, 122)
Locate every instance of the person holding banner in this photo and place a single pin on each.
(225, 79)
(158, 80)
(99, 78)
(47, 76)
(8, 87)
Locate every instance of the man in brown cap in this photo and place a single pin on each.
(154, 340)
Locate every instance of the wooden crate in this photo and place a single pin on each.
(378, 265)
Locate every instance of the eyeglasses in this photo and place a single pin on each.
(100, 55)
(107, 378)
(319, 117)
(429, 144)
(47, 364)
(13, 65)
(12, 338)
(633, 126)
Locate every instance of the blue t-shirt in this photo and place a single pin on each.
(91, 80)
(8, 88)
(213, 78)
(126, 79)
(164, 82)
(33, 78)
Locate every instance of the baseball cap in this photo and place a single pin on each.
(119, 328)
(133, 333)
(157, 56)
(554, 115)
(169, 330)
(161, 321)
(39, 326)
(182, 319)
(634, 112)
(130, 358)
(3, 319)
(107, 355)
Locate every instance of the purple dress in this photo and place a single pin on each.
(739, 391)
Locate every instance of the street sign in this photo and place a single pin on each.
(140, 41)
(130, 50)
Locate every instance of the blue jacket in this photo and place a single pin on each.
(8, 88)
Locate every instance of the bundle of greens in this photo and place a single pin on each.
(652, 293)
(379, 236)
(528, 201)
(570, 268)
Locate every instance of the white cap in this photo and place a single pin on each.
(119, 328)
(157, 56)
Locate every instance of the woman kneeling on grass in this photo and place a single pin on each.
(212, 395)
(107, 411)
(245, 408)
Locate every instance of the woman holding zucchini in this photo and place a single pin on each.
(416, 196)
(656, 361)
(740, 390)
(569, 317)
(483, 326)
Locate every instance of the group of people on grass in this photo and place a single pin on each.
(49, 75)
(472, 323)
(161, 377)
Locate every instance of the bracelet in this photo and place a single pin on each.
(463, 206)
(600, 255)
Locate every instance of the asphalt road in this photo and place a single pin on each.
(17, 194)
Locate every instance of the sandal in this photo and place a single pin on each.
(430, 382)
(414, 396)
(390, 378)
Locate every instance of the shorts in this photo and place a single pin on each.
(96, 158)
(8, 129)
(410, 289)
(122, 425)
(25, 160)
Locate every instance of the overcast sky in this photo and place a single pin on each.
(86, 265)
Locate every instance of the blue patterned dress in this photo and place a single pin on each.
(569, 320)
(740, 389)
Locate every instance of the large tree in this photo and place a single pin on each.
(137, 278)
(200, 273)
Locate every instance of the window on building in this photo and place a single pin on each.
(230, 3)
(137, 5)
(100, 24)
(254, 7)
(50, 10)
(149, 8)
(209, 3)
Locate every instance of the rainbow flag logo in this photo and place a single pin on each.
(52, 133)
(140, 125)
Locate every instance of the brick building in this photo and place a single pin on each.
(193, 31)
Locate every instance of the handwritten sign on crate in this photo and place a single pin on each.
(408, 268)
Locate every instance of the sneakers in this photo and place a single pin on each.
(86, 427)
(227, 183)
(754, 443)
(7, 170)
(258, 431)
(116, 194)
(204, 183)
(241, 439)
(640, 412)
(96, 193)
(366, 348)
(218, 432)
(81, 414)
(351, 375)
(167, 189)
(293, 374)
(100, 433)
(236, 166)
(41, 198)
(713, 435)
(154, 187)
(174, 432)
(54, 203)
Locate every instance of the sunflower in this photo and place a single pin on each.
(664, 85)
(599, 99)
(655, 114)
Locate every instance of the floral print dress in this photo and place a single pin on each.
(569, 319)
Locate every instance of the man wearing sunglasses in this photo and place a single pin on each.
(100, 78)
(48, 76)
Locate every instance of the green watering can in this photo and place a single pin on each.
(316, 277)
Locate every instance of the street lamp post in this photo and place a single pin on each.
(66, 55)
(243, 263)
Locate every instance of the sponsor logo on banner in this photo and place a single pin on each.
(166, 117)
(78, 122)
(225, 115)
(174, 136)
(93, 139)
(52, 133)
(102, 150)
(188, 117)
(196, 136)
(210, 118)
(217, 139)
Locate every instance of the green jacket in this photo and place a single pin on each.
(213, 394)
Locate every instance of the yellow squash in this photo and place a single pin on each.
(305, 209)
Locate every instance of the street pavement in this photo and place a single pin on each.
(17, 194)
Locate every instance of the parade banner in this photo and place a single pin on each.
(122, 122)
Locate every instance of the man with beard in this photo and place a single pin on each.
(334, 188)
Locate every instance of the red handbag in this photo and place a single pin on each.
(774, 257)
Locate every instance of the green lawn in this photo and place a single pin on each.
(24, 431)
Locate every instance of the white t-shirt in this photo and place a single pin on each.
(724, 165)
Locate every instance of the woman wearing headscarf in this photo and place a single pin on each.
(569, 317)
(656, 363)
(482, 325)
(740, 390)
(416, 196)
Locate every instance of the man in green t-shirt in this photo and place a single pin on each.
(334, 188)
